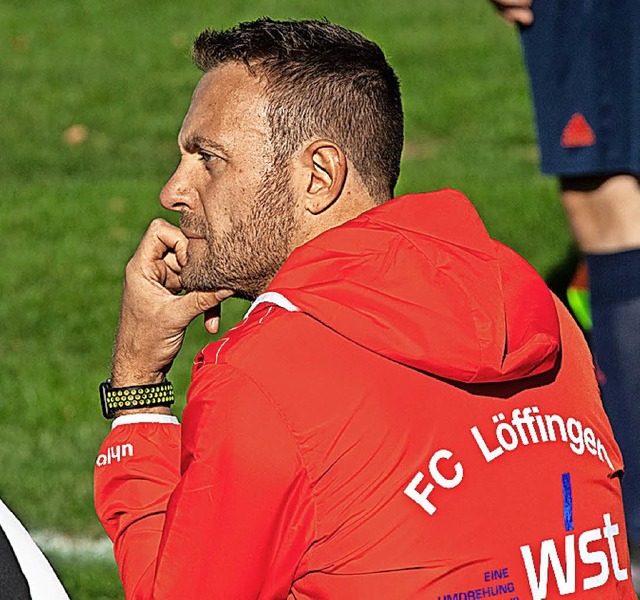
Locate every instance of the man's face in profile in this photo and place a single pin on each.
(236, 206)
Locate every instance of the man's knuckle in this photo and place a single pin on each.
(156, 224)
(201, 303)
(130, 268)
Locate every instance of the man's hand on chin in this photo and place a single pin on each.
(154, 313)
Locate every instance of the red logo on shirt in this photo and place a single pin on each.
(578, 133)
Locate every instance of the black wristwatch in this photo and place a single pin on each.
(134, 397)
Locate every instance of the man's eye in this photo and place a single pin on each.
(206, 157)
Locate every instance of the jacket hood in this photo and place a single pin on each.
(418, 280)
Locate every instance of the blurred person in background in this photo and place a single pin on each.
(405, 411)
(583, 59)
(25, 573)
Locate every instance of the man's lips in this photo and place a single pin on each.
(190, 235)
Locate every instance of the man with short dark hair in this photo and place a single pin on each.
(404, 412)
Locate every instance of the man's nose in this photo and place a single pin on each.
(177, 193)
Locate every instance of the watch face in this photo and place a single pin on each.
(107, 413)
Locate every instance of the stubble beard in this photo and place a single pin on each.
(247, 256)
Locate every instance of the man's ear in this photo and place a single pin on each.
(324, 168)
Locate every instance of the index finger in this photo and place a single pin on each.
(160, 238)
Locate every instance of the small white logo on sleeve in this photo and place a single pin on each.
(114, 453)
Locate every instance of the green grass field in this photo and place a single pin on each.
(73, 209)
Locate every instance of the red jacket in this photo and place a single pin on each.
(408, 413)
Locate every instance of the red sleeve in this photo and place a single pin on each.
(237, 520)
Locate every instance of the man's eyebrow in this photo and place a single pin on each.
(194, 143)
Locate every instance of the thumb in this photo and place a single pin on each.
(195, 303)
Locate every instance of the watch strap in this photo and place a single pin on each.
(134, 397)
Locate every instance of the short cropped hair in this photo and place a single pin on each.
(322, 80)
